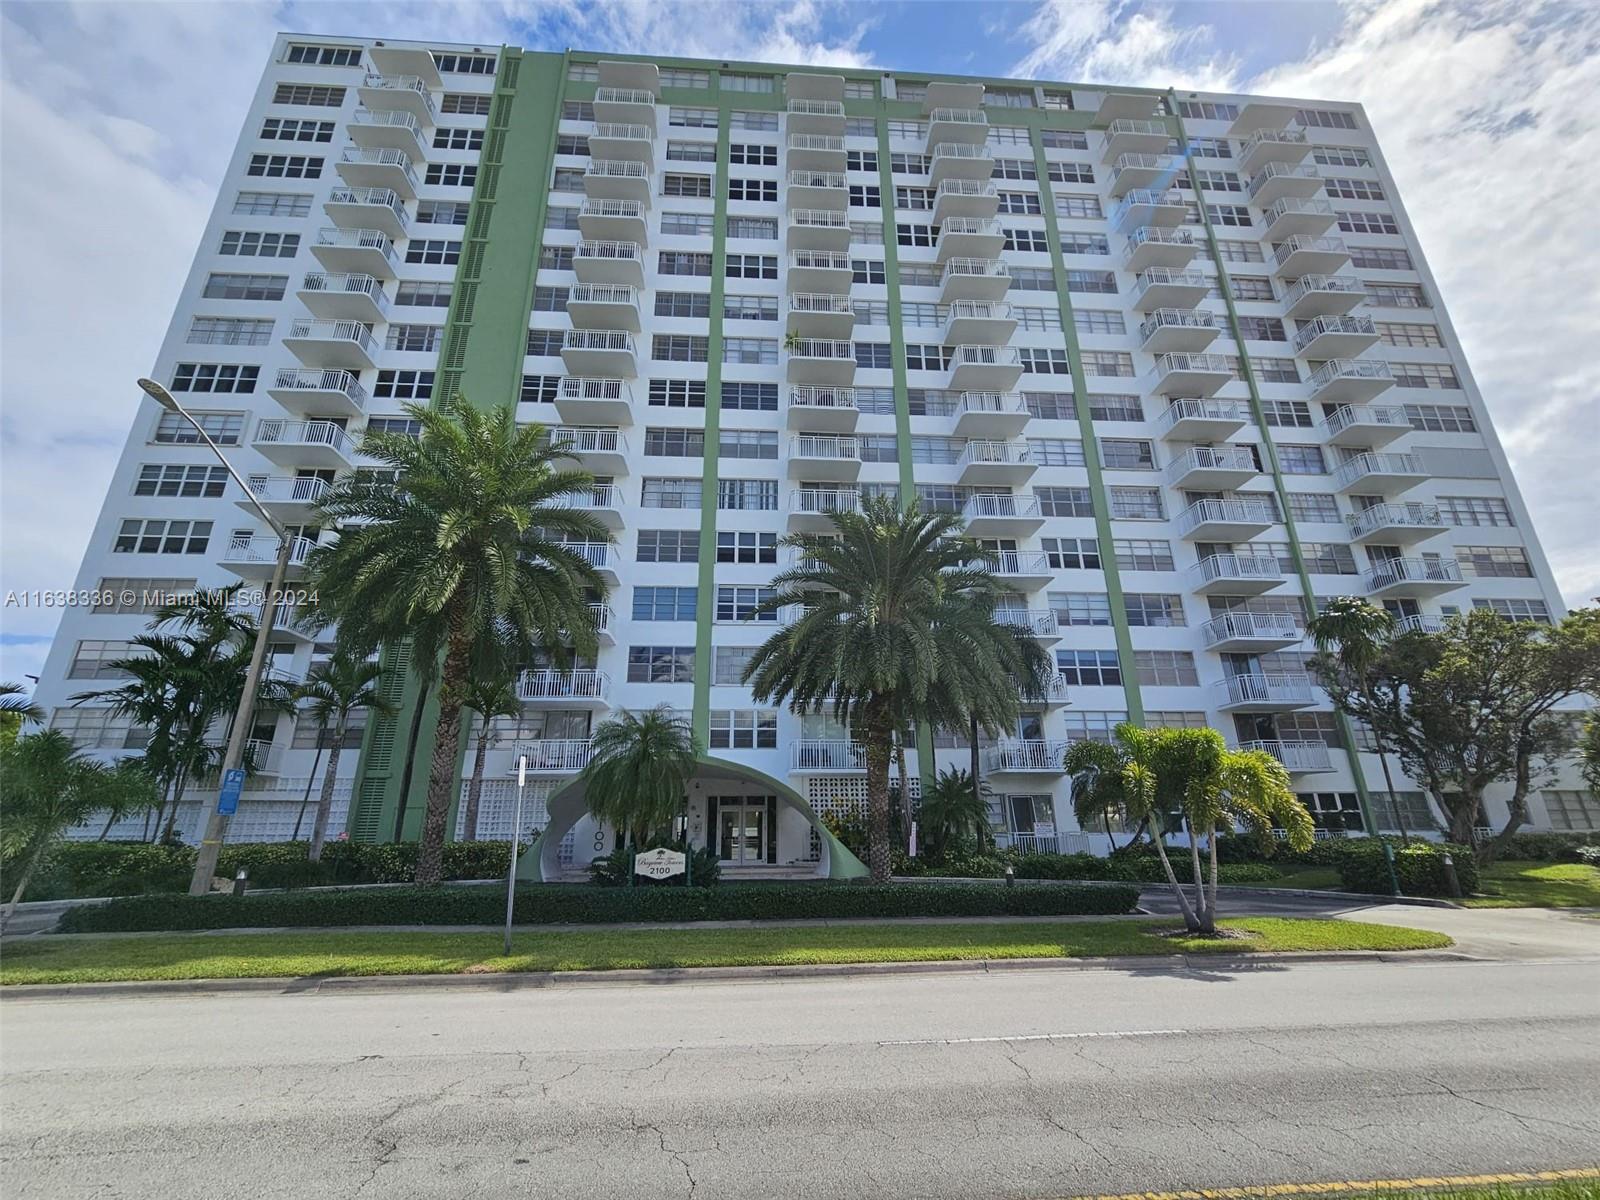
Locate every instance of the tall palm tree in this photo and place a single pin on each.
(473, 544)
(490, 694)
(335, 690)
(16, 710)
(1351, 635)
(639, 766)
(898, 625)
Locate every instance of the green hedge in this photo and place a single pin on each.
(578, 903)
(1135, 868)
(1419, 868)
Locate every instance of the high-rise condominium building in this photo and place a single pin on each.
(1176, 358)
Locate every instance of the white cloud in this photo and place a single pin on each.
(1121, 42)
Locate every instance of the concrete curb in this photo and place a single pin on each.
(516, 981)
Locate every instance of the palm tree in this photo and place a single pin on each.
(953, 809)
(490, 695)
(336, 689)
(474, 544)
(16, 709)
(898, 625)
(1191, 773)
(638, 769)
(1350, 636)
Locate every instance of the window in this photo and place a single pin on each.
(454, 212)
(734, 547)
(670, 493)
(693, 224)
(1071, 172)
(1143, 554)
(465, 64)
(211, 377)
(941, 497)
(668, 546)
(1314, 506)
(555, 258)
(866, 233)
(678, 393)
(1402, 333)
(1229, 214)
(1425, 375)
(853, 126)
(435, 251)
(1072, 204)
(284, 166)
(753, 351)
(568, 179)
(1395, 295)
(1274, 370)
(866, 270)
(693, 305)
(185, 481)
(478, 106)
(1092, 281)
(1151, 609)
(743, 729)
(1080, 608)
(762, 190)
(323, 56)
(763, 229)
(860, 89)
(1340, 156)
(1441, 418)
(1354, 189)
(1064, 501)
(1325, 118)
(1286, 414)
(1025, 203)
(403, 385)
(288, 129)
(674, 77)
(1072, 554)
(916, 131)
(399, 426)
(675, 443)
(1380, 258)
(1089, 668)
(545, 343)
(1230, 250)
(914, 235)
(739, 603)
(751, 154)
(245, 287)
(308, 95)
(660, 664)
(1207, 110)
(748, 443)
(1032, 279)
(1107, 363)
(425, 338)
(1494, 562)
(1127, 454)
(451, 175)
(1475, 510)
(229, 331)
(1517, 610)
(747, 495)
(861, 160)
(1077, 243)
(678, 347)
(162, 537)
(1572, 810)
(750, 397)
(729, 662)
(1165, 668)
(664, 603)
(94, 658)
(1115, 408)
(914, 199)
(271, 204)
(551, 299)
(1039, 320)
(472, 139)
(730, 82)
(1262, 329)
(691, 152)
(1031, 240)
(539, 389)
(1301, 459)
(223, 428)
(1366, 222)
(751, 266)
(754, 122)
(865, 196)
(919, 357)
(1321, 558)
(692, 118)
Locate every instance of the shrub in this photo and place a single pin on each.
(573, 903)
(1419, 868)
(611, 870)
(1588, 854)
(1549, 847)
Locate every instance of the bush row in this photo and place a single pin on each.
(569, 904)
(1420, 868)
(1124, 868)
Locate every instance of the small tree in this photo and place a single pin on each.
(336, 690)
(638, 769)
(1191, 777)
(1589, 752)
(16, 710)
(952, 810)
(490, 695)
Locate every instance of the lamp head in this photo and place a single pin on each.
(159, 394)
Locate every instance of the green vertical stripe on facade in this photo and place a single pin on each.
(1091, 445)
(1308, 599)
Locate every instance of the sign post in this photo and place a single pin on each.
(232, 785)
(660, 863)
(516, 836)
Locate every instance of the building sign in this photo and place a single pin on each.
(660, 863)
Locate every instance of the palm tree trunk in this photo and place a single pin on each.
(1190, 921)
(1388, 781)
(305, 800)
(1211, 885)
(1208, 919)
(22, 884)
(475, 788)
(319, 827)
(179, 785)
(879, 733)
(905, 788)
(977, 778)
(110, 821)
(446, 742)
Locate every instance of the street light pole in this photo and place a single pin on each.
(216, 821)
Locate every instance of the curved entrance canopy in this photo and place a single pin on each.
(732, 806)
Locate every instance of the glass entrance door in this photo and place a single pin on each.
(742, 831)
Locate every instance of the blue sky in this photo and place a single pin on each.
(116, 121)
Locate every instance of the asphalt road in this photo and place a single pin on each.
(1016, 1084)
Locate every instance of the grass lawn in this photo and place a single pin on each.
(240, 956)
(1537, 885)
(1571, 1189)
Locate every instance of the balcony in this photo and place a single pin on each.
(995, 514)
(1041, 624)
(604, 352)
(1118, 106)
(823, 409)
(1287, 146)
(1298, 758)
(1052, 693)
(1188, 329)
(1022, 570)
(566, 756)
(995, 463)
(1158, 246)
(1212, 469)
(816, 116)
(603, 501)
(1379, 474)
(958, 160)
(827, 315)
(599, 555)
(1272, 692)
(1322, 296)
(947, 125)
(813, 509)
(1162, 287)
(1235, 574)
(815, 152)
(1335, 337)
(1026, 758)
(1143, 171)
(346, 344)
(588, 688)
(594, 401)
(1413, 577)
(818, 189)
(406, 60)
(1281, 181)
(1396, 524)
(255, 556)
(617, 179)
(378, 169)
(979, 322)
(1297, 256)
(623, 142)
(403, 93)
(820, 271)
(609, 262)
(605, 621)
(969, 237)
(1149, 208)
(964, 198)
(819, 229)
(289, 498)
(1235, 520)
(388, 129)
(986, 279)
(1135, 137)
(311, 391)
(613, 221)
(605, 306)
(600, 450)
(320, 445)
(643, 76)
(344, 297)
(810, 755)
(1297, 217)
(368, 208)
(356, 252)
(991, 415)
(984, 368)
(1202, 420)
(1241, 631)
(829, 457)
(1420, 623)
(819, 361)
(625, 106)
(1190, 374)
(1350, 381)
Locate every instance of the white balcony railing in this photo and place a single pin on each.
(356, 239)
(988, 504)
(990, 268)
(831, 398)
(1291, 246)
(602, 293)
(998, 403)
(1307, 284)
(548, 684)
(1231, 512)
(578, 387)
(1260, 136)
(1278, 170)
(554, 757)
(1349, 368)
(587, 441)
(1242, 624)
(1296, 756)
(1019, 562)
(1176, 318)
(616, 95)
(826, 142)
(1350, 416)
(961, 150)
(1035, 622)
(263, 548)
(1211, 458)
(829, 304)
(612, 208)
(824, 501)
(288, 489)
(816, 754)
(819, 218)
(980, 450)
(313, 379)
(334, 331)
(821, 348)
(1276, 687)
(277, 431)
(380, 158)
(1311, 330)
(816, 108)
(1376, 463)
(1224, 567)
(1027, 756)
(808, 445)
(958, 116)
(400, 83)
(822, 260)
(624, 251)
(986, 356)
(623, 132)
(1387, 516)
(347, 285)
(383, 197)
(1202, 410)
(818, 179)
(1394, 571)
(599, 339)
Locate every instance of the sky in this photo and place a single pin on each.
(117, 120)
